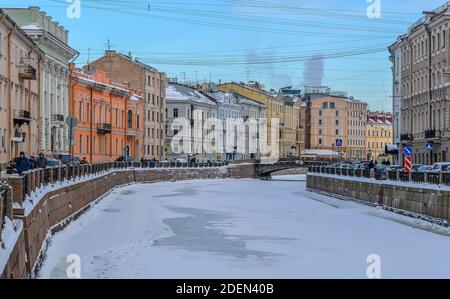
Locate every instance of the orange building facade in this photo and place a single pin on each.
(110, 118)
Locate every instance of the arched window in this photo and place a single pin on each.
(130, 119)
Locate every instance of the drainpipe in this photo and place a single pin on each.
(91, 147)
(10, 112)
(427, 28)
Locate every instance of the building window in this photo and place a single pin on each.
(332, 105)
(80, 112)
(337, 122)
(320, 141)
(320, 122)
(337, 132)
(130, 119)
(325, 105)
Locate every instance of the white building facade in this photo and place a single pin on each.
(187, 113)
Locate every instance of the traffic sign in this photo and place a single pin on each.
(408, 151)
(339, 142)
(429, 147)
(72, 121)
(408, 163)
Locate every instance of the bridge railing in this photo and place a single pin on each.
(442, 178)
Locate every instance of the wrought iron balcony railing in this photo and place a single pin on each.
(104, 128)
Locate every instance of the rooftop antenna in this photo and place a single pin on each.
(89, 59)
(248, 73)
(108, 45)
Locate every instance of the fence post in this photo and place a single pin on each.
(425, 177)
(37, 178)
(398, 174)
(441, 178)
(50, 170)
(372, 173)
(60, 174)
(32, 174)
(410, 176)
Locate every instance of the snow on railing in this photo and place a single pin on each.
(435, 178)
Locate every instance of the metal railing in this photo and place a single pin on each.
(434, 178)
(50, 176)
(3, 195)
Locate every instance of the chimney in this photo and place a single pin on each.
(129, 55)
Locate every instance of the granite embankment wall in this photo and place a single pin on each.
(53, 210)
(421, 199)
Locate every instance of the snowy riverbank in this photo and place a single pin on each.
(243, 229)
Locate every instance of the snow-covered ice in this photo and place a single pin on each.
(243, 229)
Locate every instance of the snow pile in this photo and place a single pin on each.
(9, 235)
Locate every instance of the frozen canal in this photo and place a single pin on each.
(243, 229)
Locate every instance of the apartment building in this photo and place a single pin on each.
(335, 124)
(357, 121)
(378, 135)
(110, 117)
(124, 69)
(274, 110)
(420, 80)
(185, 102)
(52, 39)
(20, 62)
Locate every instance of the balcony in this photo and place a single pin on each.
(406, 137)
(57, 118)
(132, 132)
(21, 117)
(431, 134)
(27, 72)
(104, 128)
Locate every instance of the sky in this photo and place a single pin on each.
(276, 42)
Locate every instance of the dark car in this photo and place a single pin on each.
(68, 160)
(123, 159)
(381, 171)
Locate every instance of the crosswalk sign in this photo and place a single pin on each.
(429, 147)
(339, 142)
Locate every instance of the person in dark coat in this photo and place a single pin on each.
(32, 162)
(41, 161)
(84, 161)
(22, 164)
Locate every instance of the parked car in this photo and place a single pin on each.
(68, 160)
(122, 159)
(424, 168)
(381, 171)
(181, 160)
(440, 167)
(396, 167)
(415, 167)
(54, 163)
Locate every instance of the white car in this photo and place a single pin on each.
(440, 167)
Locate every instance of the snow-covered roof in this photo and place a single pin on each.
(178, 92)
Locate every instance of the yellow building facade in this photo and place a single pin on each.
(378, 134)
